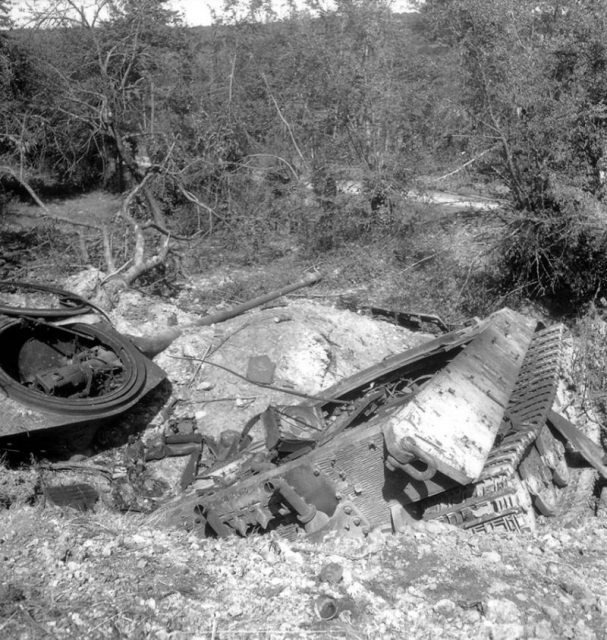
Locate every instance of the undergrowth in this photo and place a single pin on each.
(41, 252)
(558, 250)
(399, 254)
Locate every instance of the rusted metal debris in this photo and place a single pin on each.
(458, 430)
(413, 320)
(71, 377)
(79, 496)
(221, 316)
(260, 369)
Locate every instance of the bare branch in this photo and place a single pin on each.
(466, 164)
(283, 119)
(271, 155)
(194, 200)
(166, 232)
(107, 251)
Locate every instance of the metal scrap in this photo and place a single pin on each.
(260, 369)
(221, 316)
(590, 451)
(72, 377)
(326, 607)
(456, 430)
(79, 496)
(459, 429)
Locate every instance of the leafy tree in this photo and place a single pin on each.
(15, 82)
(102, 81)
(225, 129)
(535, 87)
(5, 18)
(339, 94)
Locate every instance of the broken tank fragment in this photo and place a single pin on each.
(455, 430)
(64, 379)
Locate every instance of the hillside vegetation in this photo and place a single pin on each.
(261, 137)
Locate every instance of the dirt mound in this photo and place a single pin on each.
(312, 345)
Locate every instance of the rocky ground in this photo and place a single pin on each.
(104, 574)
(109, 576)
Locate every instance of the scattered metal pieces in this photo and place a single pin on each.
(332, 573)
(190, 470)
(455, 430)
(459, 430)
(81, 497)
(78, 467)
(590, 451)
(412, 320)
(260, 370)
(326, 608)
(163, 450)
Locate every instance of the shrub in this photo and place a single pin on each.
(560, 251)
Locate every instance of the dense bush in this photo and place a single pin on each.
(534, 83)
(243, 103)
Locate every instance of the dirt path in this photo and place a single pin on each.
(96, 207)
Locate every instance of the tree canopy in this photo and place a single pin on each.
(534, 87)
(224, 128)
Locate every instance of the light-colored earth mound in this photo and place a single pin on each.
(312, 345)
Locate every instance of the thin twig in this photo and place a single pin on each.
(202, 360)
(227, 399)
(292, 392)
(283, 119)
(116, 272)
(466, 164)
(5, 623)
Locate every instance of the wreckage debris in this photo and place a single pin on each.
(412, 320)
(79, 496)
(68, 376)
(221, 316)
(326, 607)
(260, 369)
(459, 430)
(70, 304)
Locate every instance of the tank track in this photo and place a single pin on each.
(500, 499)
(345, 481)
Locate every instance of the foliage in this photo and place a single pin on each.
(341, 89)
(587, 374)
(5, 19)
(313, 103)
(251, 129)
(95, 83)
(534, 85)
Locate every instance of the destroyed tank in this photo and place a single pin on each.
(60, 379)
(460, 429)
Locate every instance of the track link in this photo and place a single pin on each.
(499, 500)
